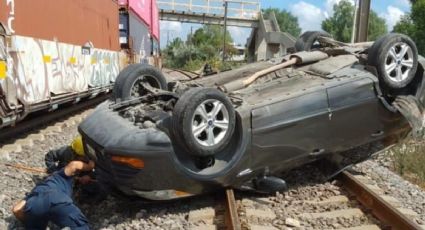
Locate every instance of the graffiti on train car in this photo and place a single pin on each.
(44, 69)
(11, 16)
(2, 48)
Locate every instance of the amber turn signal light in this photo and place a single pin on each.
(130, 161)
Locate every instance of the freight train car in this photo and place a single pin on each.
(56, 52)
(139, 30)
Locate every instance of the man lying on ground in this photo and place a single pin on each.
(51, 200)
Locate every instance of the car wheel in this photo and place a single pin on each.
(395, 58)
(120, 78)
(308, 40)
(203, 121)
(130, 82)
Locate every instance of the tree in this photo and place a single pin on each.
(340, 25)
(377, 26)
(287, 22)
(204, 45)
(405, 26)
(414, 24)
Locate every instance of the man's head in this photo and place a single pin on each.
(77, 146)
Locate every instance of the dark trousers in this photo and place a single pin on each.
(52, 205)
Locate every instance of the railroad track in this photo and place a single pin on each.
(363, 206)
(10, 133)
(37, 128)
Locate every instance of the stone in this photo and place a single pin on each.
(55, 128)
(260, 227)
(346, 213)
(12, 148)
(204, 214)
(204, 227)
(363, 179)
(263, 214)
(4, 155)
(36, 137)
(292, 223)
(28, 142)
(331, 200)
(392, 201)
(375, 189)
(364, 227)
(408, 212)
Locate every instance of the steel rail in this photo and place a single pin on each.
(231, 215)
(381, 209)
(24, 126)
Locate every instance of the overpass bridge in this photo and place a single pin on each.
(240, 13)
(266, 40)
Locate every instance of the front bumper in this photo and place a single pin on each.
(163, 177)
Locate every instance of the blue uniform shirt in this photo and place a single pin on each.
(51, 200)
(59, 181)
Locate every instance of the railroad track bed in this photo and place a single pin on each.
(309, 204)
(331, 205)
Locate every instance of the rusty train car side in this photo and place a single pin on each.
(56, 52)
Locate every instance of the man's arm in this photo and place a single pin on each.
(75, 167)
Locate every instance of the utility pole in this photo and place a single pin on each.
(190, 43)
(225, 30)
(356, 10)
(362, 21)
(168, 37)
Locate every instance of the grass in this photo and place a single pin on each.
(408, 159)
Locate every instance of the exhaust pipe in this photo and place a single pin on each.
(300, 58)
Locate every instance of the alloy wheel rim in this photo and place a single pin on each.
(399, 62)
(210, 122)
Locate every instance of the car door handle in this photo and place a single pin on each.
(317, 152)
(378, 134)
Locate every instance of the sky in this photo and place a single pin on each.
(310, 15)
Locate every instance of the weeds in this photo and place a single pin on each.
(408, 160)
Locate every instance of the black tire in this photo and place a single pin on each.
(306, 42)
(379, 57)
(134, 73)
(184, 117)
(270, 185)
(120, 78)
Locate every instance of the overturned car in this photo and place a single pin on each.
(330, 101)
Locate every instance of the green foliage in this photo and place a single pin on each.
(405, 26)
(340, 25)
(287, 21)
(377, 26)
(204, 45)
(408, 160)
(414, 25)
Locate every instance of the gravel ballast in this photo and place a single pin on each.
(410, 196)
(114, 213)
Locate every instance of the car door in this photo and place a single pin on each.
(354, 114)
(290, 129)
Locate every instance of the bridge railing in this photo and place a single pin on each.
(241, 9)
